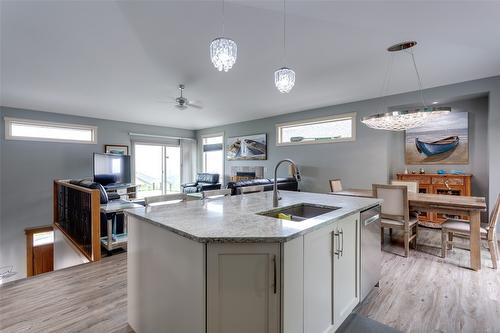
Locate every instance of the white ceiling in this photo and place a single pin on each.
(123, 59)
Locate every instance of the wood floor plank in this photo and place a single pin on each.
(422, 293)
(426, 293)
(86, 298)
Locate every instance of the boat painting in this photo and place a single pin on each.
(250, 147)
(443, 141)
(437, 147)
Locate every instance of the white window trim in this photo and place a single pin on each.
(8, 130)
(222, 179)
(351, 115)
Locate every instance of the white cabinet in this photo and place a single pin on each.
(318, 269)
(243, 288)
(346, 268)
(331, 274)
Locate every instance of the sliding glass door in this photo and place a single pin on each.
(157, 169)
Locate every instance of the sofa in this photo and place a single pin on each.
(287, 184)
(204, 182)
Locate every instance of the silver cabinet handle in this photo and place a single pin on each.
(341, 232)
(372, 219)
(336, 243)
(274, 274)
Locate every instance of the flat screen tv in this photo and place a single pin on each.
(111, 169)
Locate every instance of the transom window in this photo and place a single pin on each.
(320, 130)
(34, 130)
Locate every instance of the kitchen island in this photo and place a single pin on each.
(236, 264)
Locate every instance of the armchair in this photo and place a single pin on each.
(204, 181)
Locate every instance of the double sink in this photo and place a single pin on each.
(298, 212)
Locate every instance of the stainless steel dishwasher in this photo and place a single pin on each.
(371, 252)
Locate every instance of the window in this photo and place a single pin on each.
(213, 155)
(331, 129)
(33, 130)
(157, 169)
(43, 238)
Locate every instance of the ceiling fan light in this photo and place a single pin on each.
(223, 52)
(284, 79)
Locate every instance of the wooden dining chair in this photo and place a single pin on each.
(412, 186)
(165, 199)
(251, 189)
(461, 228)
(216, 193)
(395, 213)
(335, 185)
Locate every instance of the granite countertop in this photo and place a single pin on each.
(234, 218)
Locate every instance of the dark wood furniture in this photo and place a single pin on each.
(447, 184)
(77, 216)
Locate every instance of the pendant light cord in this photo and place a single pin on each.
(284, 31)
(223, 18)
(387, 76)
(420, 86)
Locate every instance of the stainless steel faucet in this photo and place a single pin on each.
(275, 187)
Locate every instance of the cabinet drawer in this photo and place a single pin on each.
(417, 178)
(449, 180)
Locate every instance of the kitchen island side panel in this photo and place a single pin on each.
(166, 280)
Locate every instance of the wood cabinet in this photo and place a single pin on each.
(331, 275)
(439, 184)
(243, 288)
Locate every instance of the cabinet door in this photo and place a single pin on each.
(243, 288)
(318, 282)
(346, 268)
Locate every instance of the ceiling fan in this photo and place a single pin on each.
(183, 103)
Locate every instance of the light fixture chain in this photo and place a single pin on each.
(420, 86)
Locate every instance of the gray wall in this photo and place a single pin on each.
(478, 146)
(28, 169)
(375, 155)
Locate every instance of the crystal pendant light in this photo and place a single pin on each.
(284, 78)
(223, 51)
(401, 120)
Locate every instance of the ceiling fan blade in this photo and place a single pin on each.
(195, 106)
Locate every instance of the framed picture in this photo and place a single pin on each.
(248, 147)
(116, 149)
(444, 140)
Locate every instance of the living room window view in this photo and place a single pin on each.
(244, 166)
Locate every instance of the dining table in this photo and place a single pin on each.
(444, 204)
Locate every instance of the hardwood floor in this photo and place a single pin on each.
(425, 293)
(86, 298)
(422, 293)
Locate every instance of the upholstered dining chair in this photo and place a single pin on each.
(412, 186)
(251, 189)
(216, 193)
(165, 199)
(395, 213)
(461, 228)
(335, 185)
